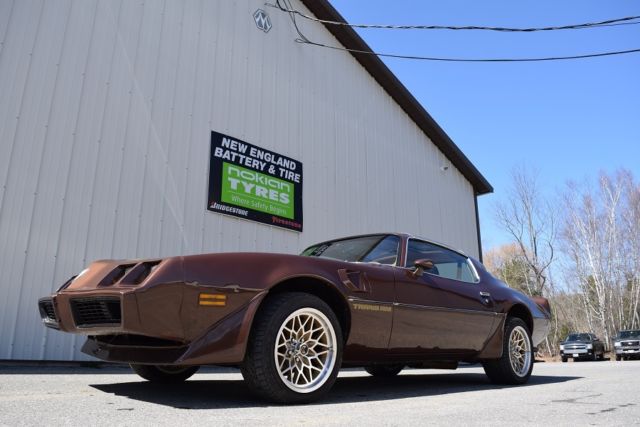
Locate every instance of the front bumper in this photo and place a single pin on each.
(621, 351)
(576, 353)
(162, 320)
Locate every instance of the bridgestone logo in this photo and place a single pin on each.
(229, 209)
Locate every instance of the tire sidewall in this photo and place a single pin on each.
(512, 323)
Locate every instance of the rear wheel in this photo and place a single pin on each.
(295, 349)
(164, 374)
(384, 370)
(516, 363)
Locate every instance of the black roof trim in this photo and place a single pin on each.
(347, 36)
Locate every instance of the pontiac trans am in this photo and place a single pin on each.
(382, 302)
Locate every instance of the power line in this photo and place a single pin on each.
(608, 23)
(429, 58)
(302, 39)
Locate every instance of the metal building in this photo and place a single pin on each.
(107, 110)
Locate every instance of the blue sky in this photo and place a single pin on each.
(568, 120)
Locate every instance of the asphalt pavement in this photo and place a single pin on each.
(581, 393)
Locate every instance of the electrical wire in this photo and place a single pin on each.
(607, 23)
(428, 58)
(302, 39)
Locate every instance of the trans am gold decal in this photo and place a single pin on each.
(371, 307)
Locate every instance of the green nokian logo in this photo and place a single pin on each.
(255, 190)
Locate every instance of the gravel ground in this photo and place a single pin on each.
(597, 393)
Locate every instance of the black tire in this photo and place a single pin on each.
(384, 371)
(500, 370)
(164, 374)
(618, 358)
(564, 359)
(259, 368)
(593, 357)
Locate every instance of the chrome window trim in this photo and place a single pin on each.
(473, 271)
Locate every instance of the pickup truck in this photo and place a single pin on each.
(581, 346)
(627, 345)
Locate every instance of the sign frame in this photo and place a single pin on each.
(254, 183)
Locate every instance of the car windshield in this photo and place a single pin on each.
(382, 249)
(578, 337)
(629, 334)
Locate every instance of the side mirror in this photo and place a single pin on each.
(422, 265)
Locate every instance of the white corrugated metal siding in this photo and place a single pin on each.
(106, 109)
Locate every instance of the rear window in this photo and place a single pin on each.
(381, 249)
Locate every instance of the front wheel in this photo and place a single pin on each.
(295, 349)
(516, 363)
(164, 374)
(618, 358)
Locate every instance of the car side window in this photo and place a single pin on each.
(385, 252)
(446, 263)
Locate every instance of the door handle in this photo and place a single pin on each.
(485, 297)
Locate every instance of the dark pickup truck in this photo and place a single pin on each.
(627, 345)
(582, 346)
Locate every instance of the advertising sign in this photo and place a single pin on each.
(253, 183)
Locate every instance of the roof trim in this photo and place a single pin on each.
(348, 37)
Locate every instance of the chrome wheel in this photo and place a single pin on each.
(305, 350)
(519, 351)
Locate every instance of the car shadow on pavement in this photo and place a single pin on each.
(219, 394)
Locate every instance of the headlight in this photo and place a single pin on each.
(617, 344)
(589, 346)
(561, 347)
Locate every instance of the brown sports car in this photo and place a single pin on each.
(382, 301)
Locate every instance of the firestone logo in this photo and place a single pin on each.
(262, 20)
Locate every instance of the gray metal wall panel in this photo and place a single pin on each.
(106, 109)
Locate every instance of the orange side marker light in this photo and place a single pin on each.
(213, 300)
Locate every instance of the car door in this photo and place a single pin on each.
(443, 311)
(370, 293)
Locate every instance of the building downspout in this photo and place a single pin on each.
(475, 203)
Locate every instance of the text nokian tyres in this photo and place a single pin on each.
(253, 183)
